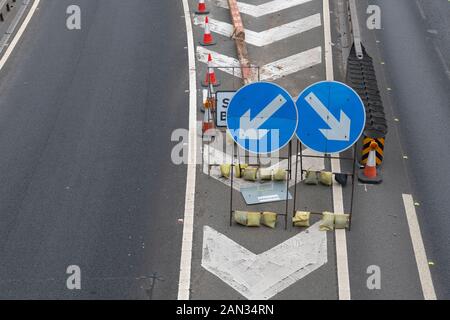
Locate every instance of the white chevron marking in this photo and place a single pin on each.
(266, 37)
(265, 8)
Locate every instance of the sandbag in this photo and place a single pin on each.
(341, 220)
(269, 219)
(225, 170)
(250, 174)
(301, 219)
(265, 174)
(327, 222)
(253, 219)
(341, 178)
(311, 178)
(240, 217)
(326, 178)
(237, 171)
(279, 174)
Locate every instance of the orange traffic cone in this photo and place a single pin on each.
(208, 121)
(210, 75)
(369, 174)
(201, 8)
(207, 36)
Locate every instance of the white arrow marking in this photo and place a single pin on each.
(265, 8)
(263, 276)
(249, 128)
(339, 130)
(267, 37)
(269, 72)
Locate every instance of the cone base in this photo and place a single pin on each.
(206, 44)
(206, 84)
(201, 12)
(375, 180)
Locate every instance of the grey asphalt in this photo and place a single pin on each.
(416, 71)
(86, 176)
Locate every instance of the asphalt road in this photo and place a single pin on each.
(86, 176)
(415, 44)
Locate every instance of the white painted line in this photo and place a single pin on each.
(265, 8)
(263, 276)
(269, 72)
(19, 34)
(338, 203)
(267, 37)
(188, 221)
(419, 249)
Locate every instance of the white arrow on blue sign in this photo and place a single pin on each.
(331, 117)
(262, 117)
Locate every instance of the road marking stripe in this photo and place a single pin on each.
(265, 8)
(419, 249)
(19, 34)
(267, 37)
(188, 222)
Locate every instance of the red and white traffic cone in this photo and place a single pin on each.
(208, 39)
(369, 174)
(210, 78)
(208, 123)
(201, 8)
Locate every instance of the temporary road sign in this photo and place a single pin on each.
(331, 117)
(262, 117)
(223, 99)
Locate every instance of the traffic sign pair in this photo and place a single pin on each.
(328, 117)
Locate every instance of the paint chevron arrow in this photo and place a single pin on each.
(266, 37)
(265, 8)
(269, 72)
(260, 277)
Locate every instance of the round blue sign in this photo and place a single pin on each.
(332, 117)
(262, 117)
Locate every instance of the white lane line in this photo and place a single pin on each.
(419, 248)
(188, 222)
(19, 34)
(269, 72)
(267, 37)
(338, 203)
(265, 8)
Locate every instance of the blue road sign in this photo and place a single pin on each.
(262, 117)
(331, 117)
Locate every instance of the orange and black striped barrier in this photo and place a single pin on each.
(367, 141)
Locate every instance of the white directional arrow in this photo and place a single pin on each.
(265, 8)
(263, 276)
(339, 129)
(249, 128)
(266, 37)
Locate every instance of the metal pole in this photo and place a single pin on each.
(353, 190)
(295, 179)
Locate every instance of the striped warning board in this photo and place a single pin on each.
(379, 150)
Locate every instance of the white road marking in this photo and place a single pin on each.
(263, 276)
(269, 72)
(265, 8)
(19, 34)
(267, 37)
(338, 203)
(419, 249)
(188, 220)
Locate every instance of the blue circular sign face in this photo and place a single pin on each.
(332, 117)
(262, 117)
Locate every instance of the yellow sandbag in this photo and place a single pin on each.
(225, 170)
(269, 219)
(301, 219)
(311, 177)
(279, 174)
(326, 178)
(265, 174)
(240, 217)
(253, 219)
(242, 167)
(341, 220)
(327, 222)
(250, 174)
(237, 171)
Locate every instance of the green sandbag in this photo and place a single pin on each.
(253, 219)
(341, 220)
(269, 219)
(250, 174)
(326, 178)
(225, 170)
(279, 174)
(265, 174)
(311, 178)
(240, 217)
(327, 222)
(301, 219)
